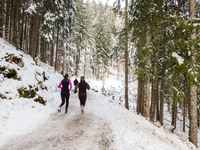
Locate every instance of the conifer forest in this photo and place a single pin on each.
(156, 42)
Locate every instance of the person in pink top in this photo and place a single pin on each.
(64, 86)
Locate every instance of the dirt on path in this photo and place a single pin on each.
(71, 131)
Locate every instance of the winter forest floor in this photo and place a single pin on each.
(105, 125)
(69, 131)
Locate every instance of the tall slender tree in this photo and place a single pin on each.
(1, 17)
(34, 29)
(147, 83)
(193, 88)
(126, 55)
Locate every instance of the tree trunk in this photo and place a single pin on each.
(119, 5)
(42, 50)
(77, 63)
(85, 64)
(57, 44)
(15, 40)
(14, 21)
(19, 21)
(174, 111)
(193, 115)
(184, 104)
(64, 61)
(22, 29)
(11, 21)
(52, 50)
(162, 88)
(126, 56)
(26, 32)
(193, 89)
(188, 101)
(140, 97)
(34, 35)
(7, 20)
(1, 17)
(184, 107)
(147, 85)
(146, 99)
(154, 98)
(38, 40)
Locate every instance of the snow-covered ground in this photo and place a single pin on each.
(106, 124)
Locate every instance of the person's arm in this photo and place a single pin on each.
(70, 85)
(77, 85)
(59, 86)
(88, 86)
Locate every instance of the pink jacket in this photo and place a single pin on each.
(69, 84)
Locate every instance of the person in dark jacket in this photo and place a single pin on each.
(75, 82)
(65, 83)
(82, 94)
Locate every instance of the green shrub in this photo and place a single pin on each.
(23, 92)
(40, 100)
(11, 73)
(2, 69)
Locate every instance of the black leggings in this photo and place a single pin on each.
(65, 96)
(82, 99)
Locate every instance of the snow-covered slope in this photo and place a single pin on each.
(106, 124)
(19, 114)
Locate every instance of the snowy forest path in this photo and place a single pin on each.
(69, 131)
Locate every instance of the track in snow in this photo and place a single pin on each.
(68, 131)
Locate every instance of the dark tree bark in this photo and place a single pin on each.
(162, 98)
(34, 27)
(126, 56)
(16, 11)
(11, 21)
(7, 27)
(140, 97)
(1, 17)
(154, 97)
(174, 112)
(14, 21)
(42, 49)
(27, 33)
(57, 45)
(52, 51)
(184, 103)
(22, 28)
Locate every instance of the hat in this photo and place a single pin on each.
(82, 78)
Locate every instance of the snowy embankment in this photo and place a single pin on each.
(19, 114)
(106, 124)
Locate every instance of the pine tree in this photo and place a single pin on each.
(58, 16)
(102, 37)
(81, 35)
(193, 88)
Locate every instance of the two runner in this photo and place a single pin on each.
(82, 86)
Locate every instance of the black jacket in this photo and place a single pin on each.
(82, 87)
(75, 81)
